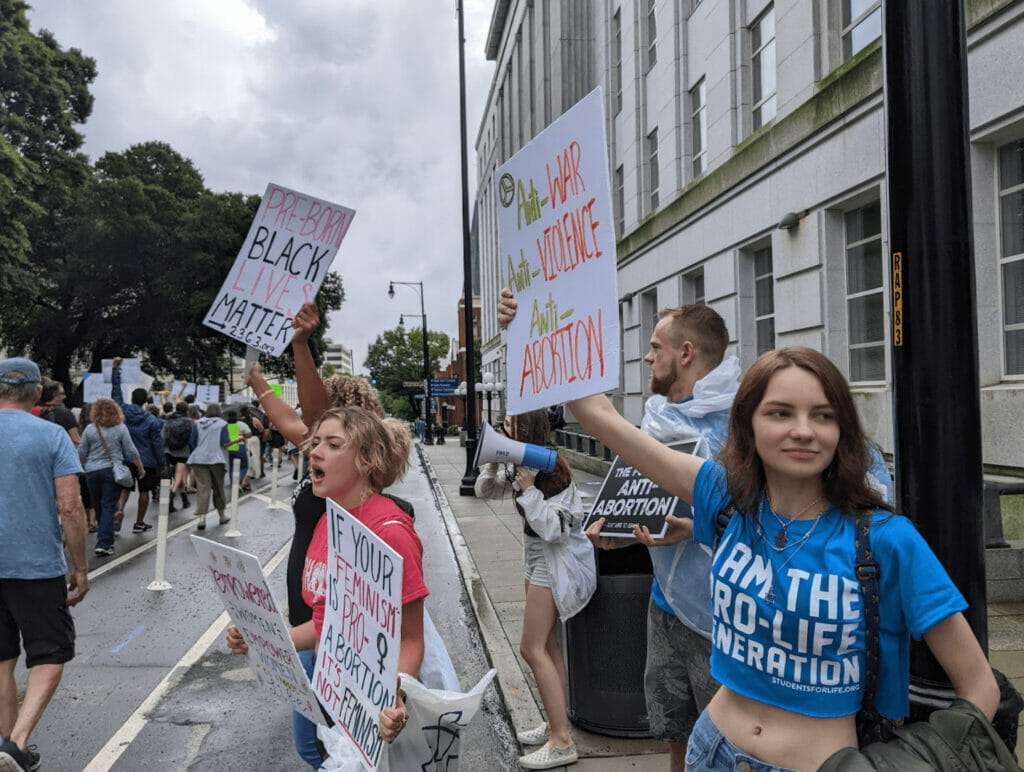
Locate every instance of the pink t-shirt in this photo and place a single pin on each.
(386, 520)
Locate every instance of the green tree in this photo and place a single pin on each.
(396, 356)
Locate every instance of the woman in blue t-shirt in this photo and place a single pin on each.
(788, 632)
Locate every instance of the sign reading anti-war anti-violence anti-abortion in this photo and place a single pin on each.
(356, 672)
(558, 256)
(627, 499)
(242, 587)
(281, 265)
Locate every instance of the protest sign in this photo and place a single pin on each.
(281, 265)
(627, 498)
(356, 672)
(94, 388)
(207, 393)
(239, 581)
(131, 370)
(557, 240)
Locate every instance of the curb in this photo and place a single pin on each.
(515, 690)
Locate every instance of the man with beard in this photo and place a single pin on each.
(693, 385)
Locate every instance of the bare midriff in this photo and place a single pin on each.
(778, 736)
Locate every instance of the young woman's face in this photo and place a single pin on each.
(510, 427)
(795, 429)
(332, 462)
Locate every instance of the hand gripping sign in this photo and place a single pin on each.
(281, 265)
(239, 581)
(356, 672)
(558, 256)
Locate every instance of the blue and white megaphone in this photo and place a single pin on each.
(495, 447)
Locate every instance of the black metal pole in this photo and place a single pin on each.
(934, 337)
(469, 478)
(428, 413)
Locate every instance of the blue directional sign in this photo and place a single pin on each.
(443, 387)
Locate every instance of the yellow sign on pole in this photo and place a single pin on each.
(897, 299)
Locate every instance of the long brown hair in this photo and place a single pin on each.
(844, 479)
(534, 427)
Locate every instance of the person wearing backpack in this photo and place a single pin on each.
(789, 616)
(178, 444)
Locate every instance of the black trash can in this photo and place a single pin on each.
(606, 647)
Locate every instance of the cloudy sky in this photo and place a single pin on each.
(354, 101)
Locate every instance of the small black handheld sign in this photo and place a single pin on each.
(627, 498)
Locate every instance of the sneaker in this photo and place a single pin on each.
(202, 523)
(105, 552)
(14, 759)
(536, 736)
(224, 519)
(141, 527)
(549, 757)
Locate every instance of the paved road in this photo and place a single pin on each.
(200, 707)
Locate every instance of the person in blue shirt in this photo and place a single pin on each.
(788, 635)
(147, 433)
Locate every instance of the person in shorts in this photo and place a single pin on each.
(39, 495)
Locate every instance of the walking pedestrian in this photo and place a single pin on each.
(799, 516)
(51, 408)
(38, 499)
(177, 440)
(147, 432)
(84, 419)
(252, 446)
(208, 459)
(239, 434)
(560, 577)
(106, 447)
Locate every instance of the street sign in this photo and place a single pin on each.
(413, 384)
(443, 387)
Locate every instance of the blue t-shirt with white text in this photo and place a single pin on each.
(788, 629)
(33, 453)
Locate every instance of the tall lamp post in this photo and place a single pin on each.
(418, 286)
(489, 387)
(469, 478)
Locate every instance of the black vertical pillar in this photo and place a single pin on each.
(428, 413)
(934, 336)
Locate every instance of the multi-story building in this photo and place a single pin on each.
(747, 165)
(339, 357)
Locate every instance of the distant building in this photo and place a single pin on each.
(339, 357)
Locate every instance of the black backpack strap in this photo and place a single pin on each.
(867, 574)
(721, 523)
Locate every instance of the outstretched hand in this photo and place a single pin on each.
(306, 322)
(507, 307)
(593, 533)
(679, 529)
(254, 379)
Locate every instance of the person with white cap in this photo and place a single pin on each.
(39, 493)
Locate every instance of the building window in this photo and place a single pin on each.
(1011, 252)
(762, 67)
(652, 168)
(764, 300)
(617, 63)
(652, 37)
(648, 321)
(865, 294)
(862, 23)
(698, 128)
(693, 287)
(620, 201)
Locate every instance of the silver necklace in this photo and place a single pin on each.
(784, 523)
(770, 595)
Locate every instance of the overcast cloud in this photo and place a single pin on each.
(354, 101)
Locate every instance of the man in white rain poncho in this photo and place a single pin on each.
(694, 384)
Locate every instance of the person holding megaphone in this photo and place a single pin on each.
(560, 572)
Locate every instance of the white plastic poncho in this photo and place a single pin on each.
(682, 569)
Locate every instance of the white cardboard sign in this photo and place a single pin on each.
(282, 263)
(357, 660)
(207, 393)
(94, 388)
(557, 237)
(239, 581)
(131, 370)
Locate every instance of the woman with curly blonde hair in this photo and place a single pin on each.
(105, 441)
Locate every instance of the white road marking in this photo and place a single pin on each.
(118, 744)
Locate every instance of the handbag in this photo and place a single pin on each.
(122, 474)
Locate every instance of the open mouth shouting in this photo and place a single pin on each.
(316, 474)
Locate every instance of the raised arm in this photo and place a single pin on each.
(115, 383)
(279, 413)
(312, 394)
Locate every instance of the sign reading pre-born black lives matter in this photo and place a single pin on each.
(558, 256)
(627, 498)
(282, 263)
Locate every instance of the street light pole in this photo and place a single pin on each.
(469, 478)
(427, 417)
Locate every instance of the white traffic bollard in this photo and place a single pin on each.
(234, 533)
(274, 503)
(159, 583)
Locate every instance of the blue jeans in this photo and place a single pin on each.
(304, 730)
(709, 751)
(104, 493)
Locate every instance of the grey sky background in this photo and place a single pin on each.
(354, 101)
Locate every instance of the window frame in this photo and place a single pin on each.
(617, 62)
(763, 317)
(846, 31)
(653, 173)
(651, 54)
(619, 199)
(756, 105)
(688, 287)
(647, 296)
(698, 114)
(1002, 260)
(882, 290)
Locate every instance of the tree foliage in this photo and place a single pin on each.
(396, 356)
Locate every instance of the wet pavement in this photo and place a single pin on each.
(153, 687)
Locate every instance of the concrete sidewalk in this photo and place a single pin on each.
(488, 540)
